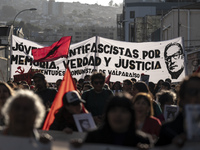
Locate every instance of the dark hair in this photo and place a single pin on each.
(168, 80)
(141, 86)
(183, 86)
(59, 80)
(147, 97)
(98, 75)
(75, 80)
(86, 76)
(172, 44)
(128, 81)
(151, 87)
(133, 80)
(80, 81)
(167, 84)
(121, 100)
(117, 82)
(157, 87)
(166, 96)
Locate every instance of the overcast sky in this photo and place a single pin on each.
(100, 2)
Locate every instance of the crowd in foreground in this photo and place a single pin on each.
(126, 114)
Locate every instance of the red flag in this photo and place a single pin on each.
(66, 86)
(53, 52)
(198, 70)
(108, 79)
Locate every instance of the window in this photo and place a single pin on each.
(132, 14)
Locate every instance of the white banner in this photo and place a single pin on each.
(126, 60)
(123, 60)
(21, 60)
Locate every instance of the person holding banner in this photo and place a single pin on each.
(96, 97)
(24, 112)
(174, 131)
(119, 125)
(72, 104)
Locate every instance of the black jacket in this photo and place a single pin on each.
(104, 136)
(171, 129)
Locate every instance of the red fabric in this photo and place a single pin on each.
(84, 109)
(53, 52)
(66, 86)
(152, 126)
(108, 79)
(198, 70)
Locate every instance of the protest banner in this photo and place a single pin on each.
(122, 60)
(22, 61)
(192, 112)
(22, 143)
(170, 111)
(84, 122)
(125, 60)
(62, 142)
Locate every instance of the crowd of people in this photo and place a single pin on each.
(128, 113)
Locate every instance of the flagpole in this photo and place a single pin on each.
(10, 53)
(95, 52)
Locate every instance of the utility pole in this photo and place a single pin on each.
(178, 18)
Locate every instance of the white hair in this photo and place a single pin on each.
(39, 107)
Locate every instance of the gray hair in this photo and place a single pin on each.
(39, 108)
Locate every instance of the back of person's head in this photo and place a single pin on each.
(166, 85)
(165, 96)
(151, 87)
(148, 98)
(38, 75)
(189, 89)
(59, 80)
(141, 86)
(128, 81)
(80, 81)
(87, 77)
(159, 83)
(133, 80)
(38, 107)
(97, 75)
(168, 80)
(120, 100)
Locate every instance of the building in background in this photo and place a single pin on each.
(140, 19)
(187, 27)
(5, 39)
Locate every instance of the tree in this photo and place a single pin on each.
(110, 3)
(115, 5)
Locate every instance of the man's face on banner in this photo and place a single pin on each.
(174, 59)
